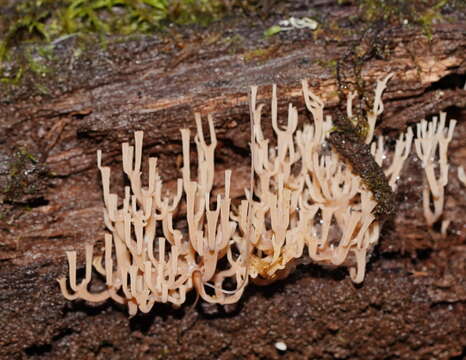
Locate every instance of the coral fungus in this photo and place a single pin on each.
(303, 195)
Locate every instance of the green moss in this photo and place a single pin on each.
(275, 29)
(49, 19)
(13, 80)
(31, 30)
(422, 13)
(330, 64)
(261, 54)
(32, 65)
(233, 44)
(25, 177)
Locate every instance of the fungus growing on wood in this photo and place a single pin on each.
(302, 196)
(142, 268)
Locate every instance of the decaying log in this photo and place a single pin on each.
(413, 302)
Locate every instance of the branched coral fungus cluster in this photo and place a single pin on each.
(302, 196)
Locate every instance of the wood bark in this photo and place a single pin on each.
(413, 301)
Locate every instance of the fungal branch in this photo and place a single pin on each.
(431, 147)
(211, 231)
(377, 107)
(402, 150)
(275, 240)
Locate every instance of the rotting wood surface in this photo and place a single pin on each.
(412, 303)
